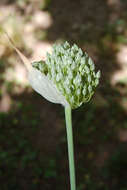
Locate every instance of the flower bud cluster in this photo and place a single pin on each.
(72, 71)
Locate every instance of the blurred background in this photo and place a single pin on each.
(33, 147)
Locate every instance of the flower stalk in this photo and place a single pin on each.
(68, 119)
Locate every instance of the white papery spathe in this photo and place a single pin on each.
(39, 82)
(45, 87)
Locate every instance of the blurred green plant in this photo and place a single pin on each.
(45, 4)
(115, 168)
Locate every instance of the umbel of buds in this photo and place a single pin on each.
(72, 71)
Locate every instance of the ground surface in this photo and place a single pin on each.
(33, 148)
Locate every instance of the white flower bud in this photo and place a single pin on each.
(89, 88)
(68, 90)
(89, 79)
(87, 69)
(84, 91)
(96, 82)
(78, 91)
(98, 74)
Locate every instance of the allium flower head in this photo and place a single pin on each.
(66, 77)
(72, 72)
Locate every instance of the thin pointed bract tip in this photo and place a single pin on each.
(24, 59)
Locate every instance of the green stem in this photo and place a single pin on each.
(70, 146)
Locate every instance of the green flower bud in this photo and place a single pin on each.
(72, 72)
